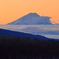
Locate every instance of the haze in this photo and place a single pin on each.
(10, 10)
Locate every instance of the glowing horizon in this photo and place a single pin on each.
(11, 10)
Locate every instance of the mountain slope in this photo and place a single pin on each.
(20, 34)
(32, 19)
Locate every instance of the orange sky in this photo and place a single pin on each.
(11, 10)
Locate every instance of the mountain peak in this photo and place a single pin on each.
(32, 19)
(33, 15)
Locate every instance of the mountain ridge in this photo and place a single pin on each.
(32, 19)
(20, 34)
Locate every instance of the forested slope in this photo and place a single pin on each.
(26, 48)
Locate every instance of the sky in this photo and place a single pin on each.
(10, 10)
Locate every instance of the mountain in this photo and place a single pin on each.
(20, 34)
(32, 19)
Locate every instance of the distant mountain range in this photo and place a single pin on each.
(32, 19)
(20, 34)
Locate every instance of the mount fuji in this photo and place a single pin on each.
(32, 19)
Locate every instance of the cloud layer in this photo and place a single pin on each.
(51, 31)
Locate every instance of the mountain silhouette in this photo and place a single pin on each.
(20, 34)
(32, 19)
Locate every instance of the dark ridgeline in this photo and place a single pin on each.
(20, 34)
(26, 48)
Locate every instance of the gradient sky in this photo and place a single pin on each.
(11, 10)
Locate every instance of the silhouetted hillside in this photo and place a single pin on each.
(20, 34)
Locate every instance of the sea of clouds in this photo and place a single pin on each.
(50, 31)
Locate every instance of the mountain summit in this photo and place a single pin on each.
(32, 19)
